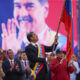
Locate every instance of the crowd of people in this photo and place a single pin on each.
(34, 64)
(31, 61)
(14, 68)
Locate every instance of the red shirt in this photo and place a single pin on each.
(61, 71)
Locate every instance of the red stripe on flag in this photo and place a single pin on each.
(67, 20)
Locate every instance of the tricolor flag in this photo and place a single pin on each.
(67, 19)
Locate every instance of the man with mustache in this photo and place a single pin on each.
(29, 16)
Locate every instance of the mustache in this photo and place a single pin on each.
(25, 18)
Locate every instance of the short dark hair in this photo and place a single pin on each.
(9, 51)
(58, 51)
(42, 1)
(64, 52)
(29, 35)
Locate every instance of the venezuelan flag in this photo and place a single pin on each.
(67, 19)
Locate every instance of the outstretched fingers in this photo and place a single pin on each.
(13, 27)
(4, 30)
(9, 26)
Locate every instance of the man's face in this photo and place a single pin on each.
(11, 55)
(30, 14)
(73, 57)
(24, 56)
(34, 38)
(60, 55)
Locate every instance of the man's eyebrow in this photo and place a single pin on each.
(29, 4)
(16, 4)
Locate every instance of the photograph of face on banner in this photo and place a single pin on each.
(23, 16)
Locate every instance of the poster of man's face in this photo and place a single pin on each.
(19, 17)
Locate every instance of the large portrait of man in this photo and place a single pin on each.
(31, 16)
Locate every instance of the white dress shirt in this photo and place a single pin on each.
(73, 75)
(11, 60)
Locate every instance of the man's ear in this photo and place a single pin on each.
(46, 9)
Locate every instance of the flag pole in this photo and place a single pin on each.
(58, 26)
(50, 58)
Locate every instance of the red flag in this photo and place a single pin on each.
(66, 18)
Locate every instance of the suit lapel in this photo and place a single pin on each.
(34, 49)
(8, 64)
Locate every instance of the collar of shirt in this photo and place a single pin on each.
(27, 62)
(24, 61)
(11, 60)
(34, 44)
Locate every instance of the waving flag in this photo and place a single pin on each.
(67, 19)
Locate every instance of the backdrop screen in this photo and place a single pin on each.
(19, 17)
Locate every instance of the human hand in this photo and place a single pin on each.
(61, 61)
(49, 59)
(17, 67)
(70, 63)
(56, 37)
(9, 40)
(28, 68)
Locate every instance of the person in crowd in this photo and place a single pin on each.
(13, 69)
(60, 67)
(36, 55)
(17, 56)
(29, 15)
(2, 74)
(20, 68)
(4, 55)
(78, 76)
(8, 66)
(25, 62)
(77, 70)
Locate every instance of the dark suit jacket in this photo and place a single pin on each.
(9, 75)
(32, 54)
(14, 74)
(21, 73)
